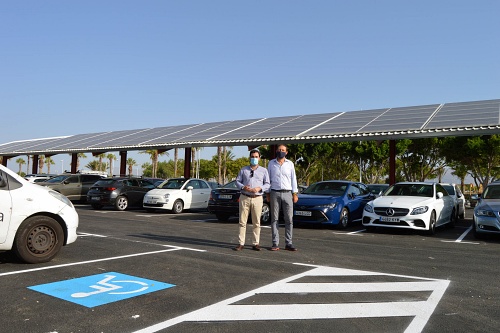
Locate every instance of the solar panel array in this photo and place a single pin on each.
(478, 116)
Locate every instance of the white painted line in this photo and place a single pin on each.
(173, 248)
(464, 234)
(84, 234)
(227, 311)
(353, 233)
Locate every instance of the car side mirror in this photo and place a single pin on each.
(439, 195)
(189, 188)
(65, 182)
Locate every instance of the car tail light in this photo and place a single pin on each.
(111, 189)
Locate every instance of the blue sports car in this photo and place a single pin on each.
(332, 202)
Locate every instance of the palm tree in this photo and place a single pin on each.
(176, 158)
(78, 156)
(100, 157)
(41, 161)
(49, 161)
(131, 163)
(20, 162)
(111, 158)
(154, 160)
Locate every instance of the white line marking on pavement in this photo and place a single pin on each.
(227, 311)
(84, 234)
(172, 248)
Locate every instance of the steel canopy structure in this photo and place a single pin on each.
(434, 120)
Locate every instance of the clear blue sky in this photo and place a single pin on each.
(70, 67)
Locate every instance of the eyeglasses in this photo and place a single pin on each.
(251, 173)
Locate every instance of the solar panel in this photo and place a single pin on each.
(308, 126)
(466, 114)
(347, 122)
(402, 119)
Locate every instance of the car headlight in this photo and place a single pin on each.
(166, 196)
(419, 210)
(369, 208)
(485, 212)
(61, 197)
(328, 206)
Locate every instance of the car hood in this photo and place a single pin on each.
(493, 204)
(401, 201)
(162, 191)
(312, 199)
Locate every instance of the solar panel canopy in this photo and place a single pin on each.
(463, 118)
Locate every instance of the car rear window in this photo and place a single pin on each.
(105, 182)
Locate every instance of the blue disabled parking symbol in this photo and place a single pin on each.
(95, 290)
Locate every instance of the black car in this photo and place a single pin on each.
(224, 203)
(120, 192)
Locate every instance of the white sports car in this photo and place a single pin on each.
(411, 205)
(177, 194)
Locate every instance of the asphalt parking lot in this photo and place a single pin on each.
(138, 272)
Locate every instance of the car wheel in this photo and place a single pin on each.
(222, 217)
(266, 214)
(96, 206)
(121, 203)
(38, 239)
(178, 207)
(344, 218)
(432, 224)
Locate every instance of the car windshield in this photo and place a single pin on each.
(492, 192)
(450, 189)
(412, 190)
(230, 185)
(57, 179)
(175, 184)
(376, 189)
(326, 188)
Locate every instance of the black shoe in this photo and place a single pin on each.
(290, 247)
(256, 247)
(275, 247)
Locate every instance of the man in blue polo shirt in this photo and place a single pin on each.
(253, 180)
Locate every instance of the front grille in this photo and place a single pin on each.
(382, 211)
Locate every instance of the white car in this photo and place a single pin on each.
(411, 205)
(177, 194)
(34, 178)
(35, 222)
(456, 193)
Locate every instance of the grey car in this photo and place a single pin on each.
(486, 218)
(73, 186)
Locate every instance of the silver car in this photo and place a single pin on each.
(455, 192)
(486, 219)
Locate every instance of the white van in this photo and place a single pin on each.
(35, 222)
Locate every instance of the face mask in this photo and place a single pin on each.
(254, 161)
(280, 154)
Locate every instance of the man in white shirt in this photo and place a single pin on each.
(282, 195)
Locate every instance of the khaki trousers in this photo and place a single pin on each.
(247, 205)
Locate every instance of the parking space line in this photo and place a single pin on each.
(84, 234)
(172, 248)
(459, 239)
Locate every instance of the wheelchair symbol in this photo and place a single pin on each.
(105, 286)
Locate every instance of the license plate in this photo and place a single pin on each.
(389, 219)
(151, 201)
(225, 196)
(303, 213)
(95, 198)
